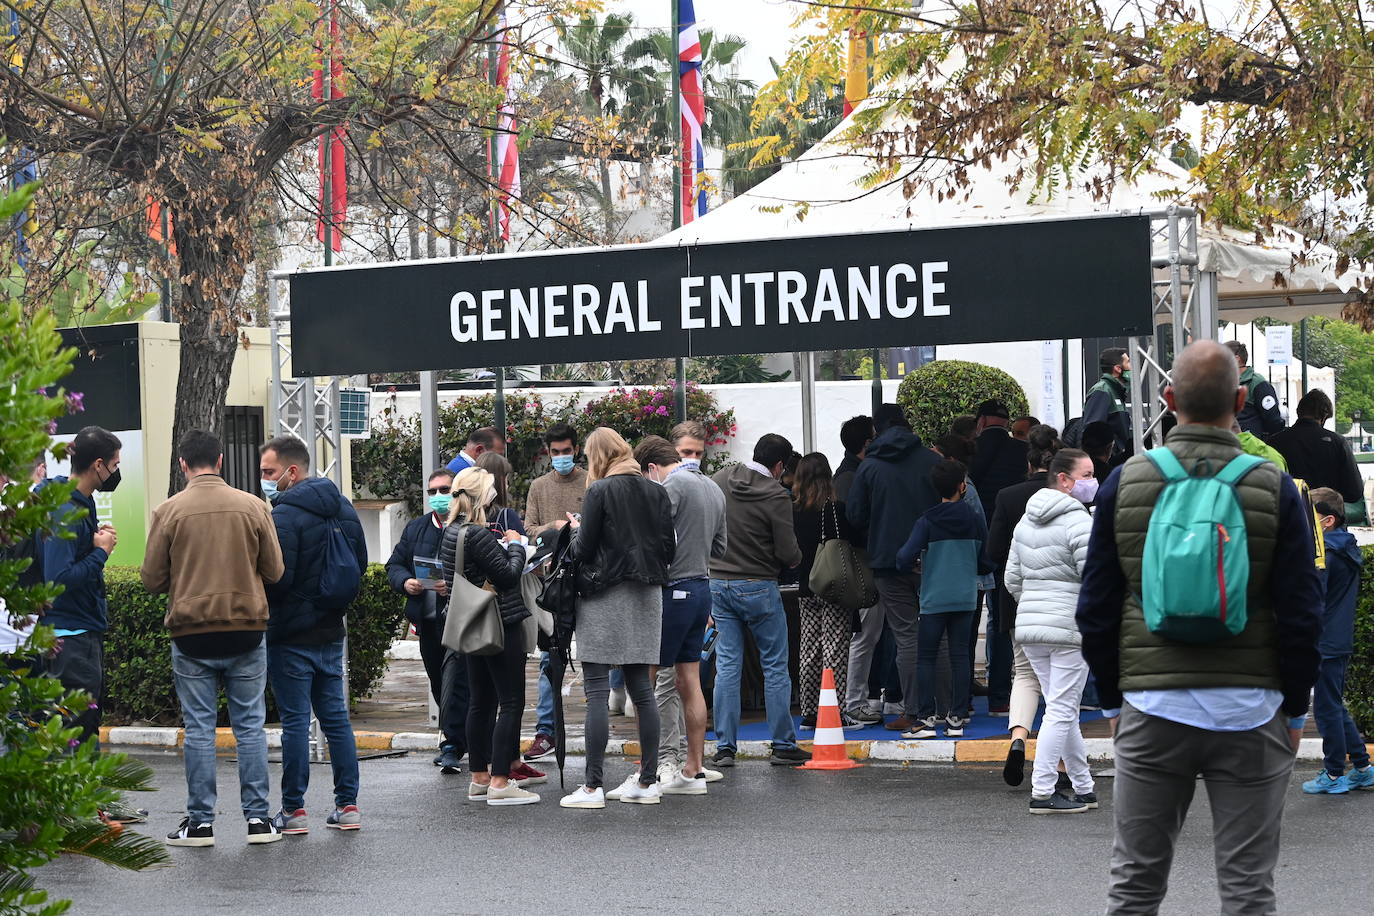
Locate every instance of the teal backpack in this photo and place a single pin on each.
(1197, 560)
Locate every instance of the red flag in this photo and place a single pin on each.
(155, 224)
(336, 181)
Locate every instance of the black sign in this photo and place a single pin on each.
(970, 284)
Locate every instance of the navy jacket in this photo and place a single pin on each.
(78, 566)
(301, 515)
(890, 491)
(1103, 595)
(421, 538)
(998, 462)
(1343, 562)
(952, 536)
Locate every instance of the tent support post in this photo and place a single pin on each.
(1140, 386)
(500, 410)
(429, 424)
(680, 390)
(873, 355)
(1064, 382)
(1302, 351)
(1205, 313)
(808, 399)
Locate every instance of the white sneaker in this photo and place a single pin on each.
(635, 794)
(666, 770)
(712, 775)
(476, 792)
(679, 783)
(616, 704)
(512, 794)
(582, 797)
(614, 794)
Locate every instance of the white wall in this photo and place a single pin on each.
(1038, 367)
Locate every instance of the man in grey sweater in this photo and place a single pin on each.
(699, 523)
(744, 593)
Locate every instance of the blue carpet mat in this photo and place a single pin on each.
(982, 726)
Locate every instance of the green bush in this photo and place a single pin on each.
(387, 464)
(1359, 681)
(138, 648)
(933, 395)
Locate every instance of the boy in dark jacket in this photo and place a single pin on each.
(1340, 737)
(948, 540)
(305, 642)
(448, 679)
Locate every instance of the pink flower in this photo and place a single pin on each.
(74, 402)
(663, 411)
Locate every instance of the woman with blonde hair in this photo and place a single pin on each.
(624, 544)
(496, 682)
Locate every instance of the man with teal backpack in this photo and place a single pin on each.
(1200, 615)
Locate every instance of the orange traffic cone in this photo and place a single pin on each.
(827, 751)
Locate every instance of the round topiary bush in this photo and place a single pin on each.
(933, 395)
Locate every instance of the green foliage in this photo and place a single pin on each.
(740, 368)
(1359, 680)
(933, 395)
(53, 787)
(138, 652)
(1350, 352)
(387, 463)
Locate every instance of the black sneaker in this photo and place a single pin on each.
(808, 723)
(1014, 771)
(262, 830)
(1054, 803)
(724, 757)
(449, 760)
(1087, 798)
(439, 757)
(1063, 785)
(188, 834)
(788, 756)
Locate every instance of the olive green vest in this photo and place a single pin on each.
(1248, 659)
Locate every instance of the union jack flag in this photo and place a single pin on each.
(507, 154)
(693, 105)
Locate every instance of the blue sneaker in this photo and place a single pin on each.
(1360, 779)
(1326, 784)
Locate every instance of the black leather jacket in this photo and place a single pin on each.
(626, 533)
(485, 560)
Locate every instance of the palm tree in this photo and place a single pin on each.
(785, 133)
(595, 51)
(729, 99)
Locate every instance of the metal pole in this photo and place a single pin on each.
(877, 373)
(499, 420)
(274, 416)
(808, 398)
(680, 392)
(1064, 382)
(1302, 352)
(1139, 385)
(327, 168)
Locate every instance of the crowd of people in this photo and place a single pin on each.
(1096, 566)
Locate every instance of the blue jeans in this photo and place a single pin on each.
(955, 628)
(756, 604)
(305, 678)
(1340, 737)
(197, 683)
(544, 708)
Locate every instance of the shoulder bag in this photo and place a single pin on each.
(473, 625)
(840, 573)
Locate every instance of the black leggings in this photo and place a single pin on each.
(496, 680)
(597, 684)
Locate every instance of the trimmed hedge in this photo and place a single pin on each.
(1359, 680)
(933, 395)
(138, 648)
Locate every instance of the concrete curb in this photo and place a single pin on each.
(972, 750)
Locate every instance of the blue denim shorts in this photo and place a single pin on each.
(686, 608)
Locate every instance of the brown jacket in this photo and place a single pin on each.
(210, 548)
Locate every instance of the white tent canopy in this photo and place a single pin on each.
(825, 192)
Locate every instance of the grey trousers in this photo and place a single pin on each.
(672, 741)
(1246, 774)
(861, 648)
(898, 597)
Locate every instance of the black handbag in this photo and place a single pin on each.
(559, 596)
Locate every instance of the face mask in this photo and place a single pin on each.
(269, 489)
(1084, 490)
(111, 483)
(563, 464)
(1126, 376)
(440, 503)
(691, 464)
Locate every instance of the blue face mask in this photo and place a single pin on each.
(563, 464)
(269, 489)
(440, 503)
(691, 464)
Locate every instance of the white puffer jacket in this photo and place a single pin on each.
(1045, 569)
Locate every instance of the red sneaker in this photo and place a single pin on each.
(522, 774)
(540, 747)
